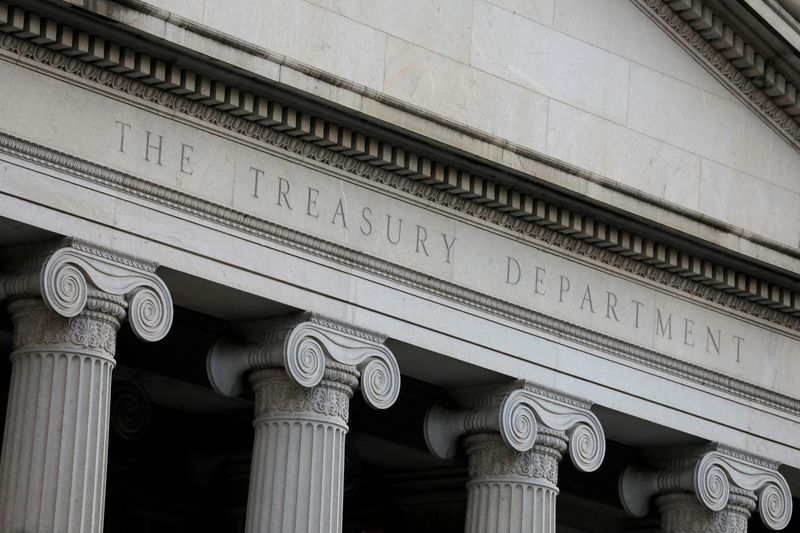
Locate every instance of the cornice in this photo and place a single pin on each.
(198, 207)
(734, 62)
(223, 104)
(475, 207)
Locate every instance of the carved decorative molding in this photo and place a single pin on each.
(94, 330)
(270, 121)
(278, 396)
(712, 475)
(682, 513)
(306, 346)
(517, 413)
(730, 59)
(488, 457)
(74, 275)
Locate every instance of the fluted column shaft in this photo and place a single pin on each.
(296, 482)
(55, 445)
(511, 491)
(682, 512)
(303, 369)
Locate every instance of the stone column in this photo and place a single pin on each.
(302, 371)
(515, 438)
(710, 489)
(66, 303)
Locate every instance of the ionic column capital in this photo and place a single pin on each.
(307, 346)
(72, 273)
(517, 411)
(718, 475)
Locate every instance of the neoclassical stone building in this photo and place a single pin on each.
(381, 266)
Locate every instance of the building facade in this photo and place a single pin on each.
(381, 266)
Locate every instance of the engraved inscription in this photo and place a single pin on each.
(301, 196)
(630, 313)
(414, 234)
(391, 227)
(155, 148)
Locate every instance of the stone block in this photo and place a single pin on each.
(442, 26)
(465, 94)
(616, 152)
(549, 62)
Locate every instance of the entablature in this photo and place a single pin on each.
(491, 196)
(263, 119)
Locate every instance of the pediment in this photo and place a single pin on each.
(752, 57)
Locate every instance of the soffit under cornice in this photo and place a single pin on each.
(535, 214)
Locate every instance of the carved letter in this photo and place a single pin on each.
(122, 127)
(715, 342)
(611, 304)
(687, 331)
(339, 213)
(538, 278)
(312, 202)
(389, 226)
(185, 158)
(256, 172)
(422, 235)
(148, 145)
(564, 288)
(449, 246)
(283, 192)
(587, 297)
(364, 213)
(739, 341)
(638, 306)
(664, 328)
(513, 261)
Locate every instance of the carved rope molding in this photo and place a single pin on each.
(312, 245)
(519, 416)
(306, 347)
(736, 79)
(711, 476)
(365, 150)
(66, 277)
